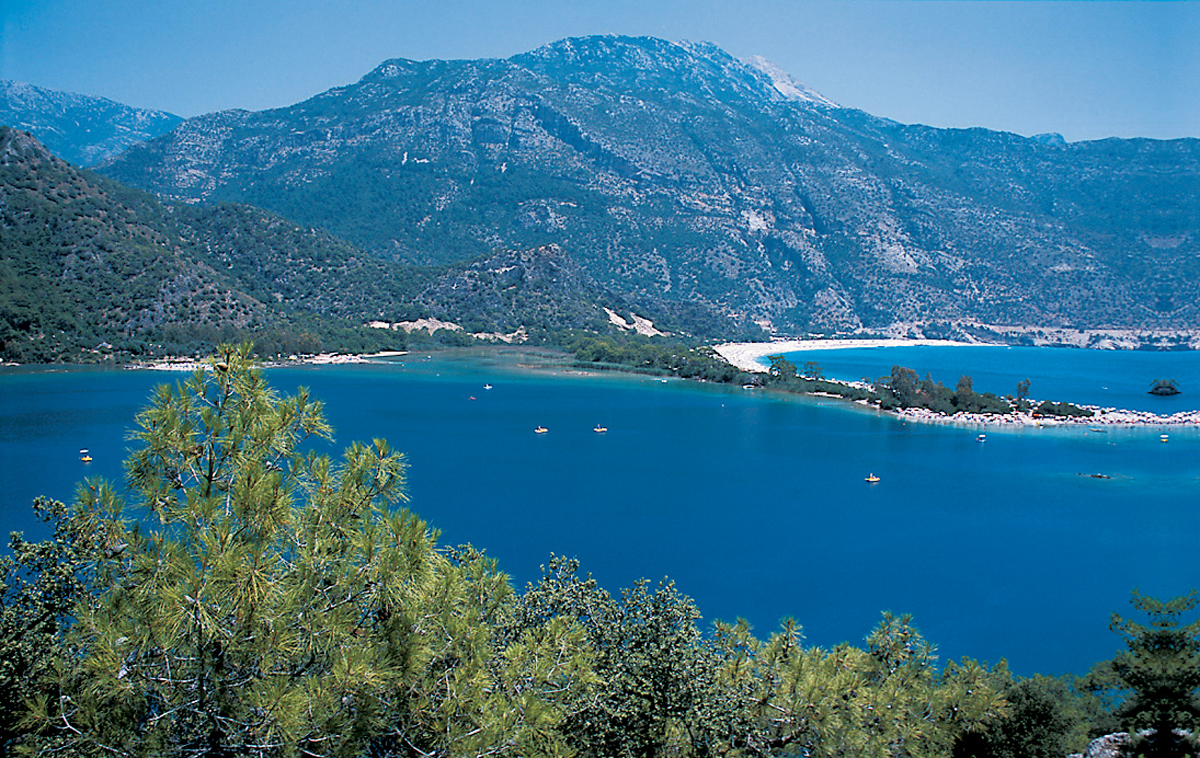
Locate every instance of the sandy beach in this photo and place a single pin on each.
(747, 356)
(321, 359)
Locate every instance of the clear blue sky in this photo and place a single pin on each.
(1085, 69)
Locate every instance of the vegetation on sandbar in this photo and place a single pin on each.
(899, 390)
(902, 389)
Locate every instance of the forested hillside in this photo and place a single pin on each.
(92, 268)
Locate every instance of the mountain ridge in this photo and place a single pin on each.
(80, 129)
(673, 171)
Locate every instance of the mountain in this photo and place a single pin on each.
(539, 291)
(90, 266)
(675, 173)
(80, 129)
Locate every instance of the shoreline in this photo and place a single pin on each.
(745, 356)
(321, 359)
(1104, 417)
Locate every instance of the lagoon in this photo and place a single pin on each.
(1105, 378)
(753, 503)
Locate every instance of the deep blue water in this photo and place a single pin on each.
(753, 503)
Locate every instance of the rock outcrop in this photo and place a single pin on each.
(1108, 746)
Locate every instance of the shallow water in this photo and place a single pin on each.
(754, 503)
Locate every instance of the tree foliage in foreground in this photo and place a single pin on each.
(274, 604)
(40, 587)
(1160, 669)
(664, 689)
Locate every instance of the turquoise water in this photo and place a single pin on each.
(753, 503)
(1107, 378)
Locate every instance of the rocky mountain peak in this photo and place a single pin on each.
(647, 67)
(787, 85)
(80, 129)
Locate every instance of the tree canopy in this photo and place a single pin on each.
(274, 603)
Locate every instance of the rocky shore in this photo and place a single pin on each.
(1103, 417)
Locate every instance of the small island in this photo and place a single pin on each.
(1165, 387)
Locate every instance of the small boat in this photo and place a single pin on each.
(981, 438)
(871, 478)
(487, 386)
(83, 456)
(1164, 438)
(600, 429)
(540, 429)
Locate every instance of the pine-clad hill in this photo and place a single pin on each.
(542, 291)
(89, 266)
(676, 172)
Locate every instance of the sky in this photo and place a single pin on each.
(1083, 68)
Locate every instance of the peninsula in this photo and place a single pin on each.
(924, 400)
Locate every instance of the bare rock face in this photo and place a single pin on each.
(1108, 746)
(674, 171)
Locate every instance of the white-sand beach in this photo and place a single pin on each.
(748, 356)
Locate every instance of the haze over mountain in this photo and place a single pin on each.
(77, 128)
(673, 170)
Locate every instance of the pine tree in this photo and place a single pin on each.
(1161, 670)
(271, 602)
(889, 700)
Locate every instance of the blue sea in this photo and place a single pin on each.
(753, 503)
